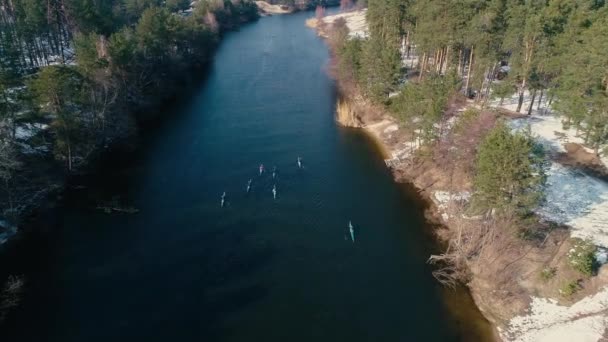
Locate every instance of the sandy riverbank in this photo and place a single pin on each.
(266, 8)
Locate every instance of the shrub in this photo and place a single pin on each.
(509, 173)
(548, 273)
(569, 288)
(582, 257)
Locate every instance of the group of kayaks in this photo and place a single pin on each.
(261, 170)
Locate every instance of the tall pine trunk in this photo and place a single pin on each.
(422, 66)
(483, 85)
(532, 103)
(446, 60)
(69, 157)
(407, 44)
(460, 62)
(491, 78)
(466, 87)
(522, 90)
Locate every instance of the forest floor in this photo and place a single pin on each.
(508, 286)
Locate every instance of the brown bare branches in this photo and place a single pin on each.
(485, 245)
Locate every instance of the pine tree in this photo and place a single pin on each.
(57, 92)
(509, 173)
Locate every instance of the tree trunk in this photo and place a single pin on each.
(422, 66)
(466, 87)
(522, 89)
(460, 62)
(491, 78)
(520, 102)
(445, 60)
(407, 44)
(437, 60)
(483, 85)
(420, 59)
(532, 103)
(540, 99)
(69, 157)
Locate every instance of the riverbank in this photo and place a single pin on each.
(519, 285)
(266, 8)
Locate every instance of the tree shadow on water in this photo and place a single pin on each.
(188, 287)
(222, 279)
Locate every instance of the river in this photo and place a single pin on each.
(258, 269)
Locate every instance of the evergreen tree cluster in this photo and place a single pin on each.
(509, 172)
(81, 66)
(553, 48)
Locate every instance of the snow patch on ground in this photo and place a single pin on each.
(545, 124)
(572, 197)
(601, 255)
(355, 21)
(26, 131)
(593, 225)
(578, 200)
(575, 199)
(547, 321)
(443, 198)
(550, 132)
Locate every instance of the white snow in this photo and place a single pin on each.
(443, 198)
(355, 21)
(28, 130)
(578, 200)
(550, 132)
(581, 202)
(601, 256)
(547, 321)
(593, 225)
(572, 197)
(545, 124)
